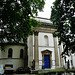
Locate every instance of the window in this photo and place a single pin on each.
(10, 53)
(21, 53)
(46, 40)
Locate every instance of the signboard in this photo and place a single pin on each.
(40, 62)
(53, 62)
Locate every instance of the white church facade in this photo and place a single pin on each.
(44, 48)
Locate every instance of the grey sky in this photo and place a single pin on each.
(47, 9)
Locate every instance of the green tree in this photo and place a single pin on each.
(63, 16)
(16, 19)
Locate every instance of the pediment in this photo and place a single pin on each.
(46, 51)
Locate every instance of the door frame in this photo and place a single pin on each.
(47, 52)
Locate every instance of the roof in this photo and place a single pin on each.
(22, 44)
(45, 22)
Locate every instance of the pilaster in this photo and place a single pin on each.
(36, 51)
(61, 50)
(56, 51)
(0, 51)
(31, 49)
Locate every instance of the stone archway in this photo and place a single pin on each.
(47, 53)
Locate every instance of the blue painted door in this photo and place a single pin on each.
(46, 61)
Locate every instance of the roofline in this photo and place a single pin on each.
(42, 18)
(12, 44)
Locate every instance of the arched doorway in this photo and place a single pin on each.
(47, 59)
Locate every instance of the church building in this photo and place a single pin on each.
(42, 51)
(43, 47)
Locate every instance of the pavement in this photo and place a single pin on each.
(34, 72)
(20, 74)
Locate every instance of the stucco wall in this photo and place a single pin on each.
(16, 51)
(16, 61)
(71, 59)
(41, 41)
(51, 46)
(43, 47)
(74, 60)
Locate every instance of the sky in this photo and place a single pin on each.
(47, 9)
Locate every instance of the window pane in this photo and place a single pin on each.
(10, 53)
(21, 53)
(46, 40)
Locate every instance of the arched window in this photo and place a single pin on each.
(21, 53)
(10, 53)
(46, 40)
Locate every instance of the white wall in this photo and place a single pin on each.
(16, 61)
(16, 51)
(73, 60)
(72, 57)
(42, 46)
(41, 41)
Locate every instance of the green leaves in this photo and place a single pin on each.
(16, 21)
(63, 15)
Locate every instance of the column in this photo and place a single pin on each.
(0, 56)
(36, 51)
(0, 51)
(26, 55)
(31, 49)
(56, 51)
(61, 50)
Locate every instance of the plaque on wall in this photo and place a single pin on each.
(40, 62)
(53, 62)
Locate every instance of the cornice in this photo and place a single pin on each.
(43, 29)
(22, 44)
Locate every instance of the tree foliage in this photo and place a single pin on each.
(16, 19)
(63, 16)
